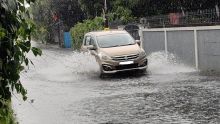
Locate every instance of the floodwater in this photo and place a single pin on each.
(64, 88)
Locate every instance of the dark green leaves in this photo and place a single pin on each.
(15, 37)
(2, 33)
(21, 1)
(22, 8)
(26, 61)
(20, 89)
(29, 1)
(25, 46)
(36, 51)
(80, 29)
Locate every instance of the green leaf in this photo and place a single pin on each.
(31, 62)
(15, 76)
(22, 46)
(36, 51)
(22, 8)
(26, 61)
(21, 68)
(17, 87)
(28, 45)
(2, 33)
(21, 1)
(25, 46)
(24, 98)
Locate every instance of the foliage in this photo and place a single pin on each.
(92, 8)
(42, 19)
(80, 29)
(122, 14)
(68, 11)
(6, 113)
(142, 8)
(52, 16)
(117, 10)
(15, 43)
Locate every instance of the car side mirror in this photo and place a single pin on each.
(91, 47)
(138, 42)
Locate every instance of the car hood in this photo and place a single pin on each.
(122, 50)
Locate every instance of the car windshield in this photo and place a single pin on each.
(115, 40)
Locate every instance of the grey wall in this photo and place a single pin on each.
(209, 49)
(195, 46)
(181, 43)
(153, 41)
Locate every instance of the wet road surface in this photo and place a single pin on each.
(64, 88)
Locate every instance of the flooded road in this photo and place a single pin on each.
(64, 88)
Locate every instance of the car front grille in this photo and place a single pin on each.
(121, 67)
(125, 57)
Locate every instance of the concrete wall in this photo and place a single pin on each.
(153, 41)
(195, 46)
(209, 49)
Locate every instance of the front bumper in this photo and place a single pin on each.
(112, 66)
(130, 69)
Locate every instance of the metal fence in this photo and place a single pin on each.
(198, 18)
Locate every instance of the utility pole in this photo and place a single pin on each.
(105, 15)
(105, 6)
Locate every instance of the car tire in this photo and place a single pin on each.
(143, 71)
(102, 74)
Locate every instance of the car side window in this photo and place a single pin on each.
(87, 41)
(92, 42)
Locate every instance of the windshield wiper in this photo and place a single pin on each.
(116, 46)
(130, 44)
(111, 46)
(127, 44)
(119, 45)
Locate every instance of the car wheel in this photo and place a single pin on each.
(102, 74)
(143, 71)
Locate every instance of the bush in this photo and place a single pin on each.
(6, 113)
(78, 31)
(15, 42)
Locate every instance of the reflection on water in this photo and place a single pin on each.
(66, 89)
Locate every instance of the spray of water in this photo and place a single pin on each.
(61, 65)
(162, 63)
(84, 63)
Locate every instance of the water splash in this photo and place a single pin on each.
(162, 63)
(84, 63)
(60, 65)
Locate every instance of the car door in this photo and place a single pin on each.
(93, 43)
(86, 43)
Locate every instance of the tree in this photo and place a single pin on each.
(143, 8)
(92, 8)
(15, 42)
(68, 11)
(52, 16)
(42, 11)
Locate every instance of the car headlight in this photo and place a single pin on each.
(142, 53)
(103, 56)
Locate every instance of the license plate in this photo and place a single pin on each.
(126, 63)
